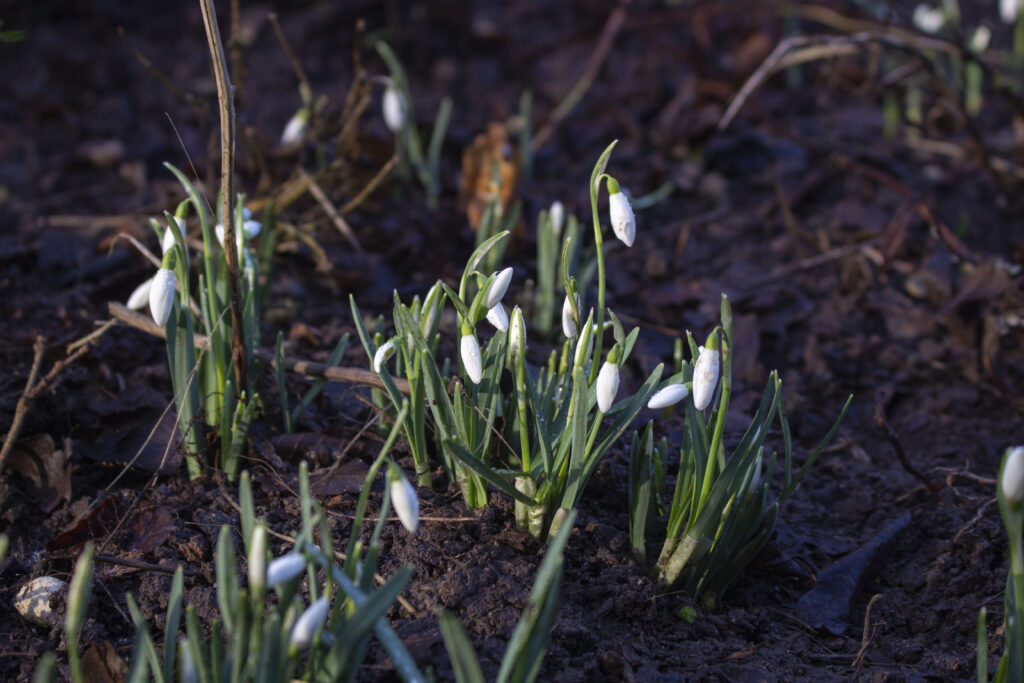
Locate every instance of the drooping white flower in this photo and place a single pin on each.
(569, 328)
(257, 559)
(929, 19)
(285, 568)
(394, 109)
(470, 351)
(161, 296)
(607, 385)
(499, 285)
(621, 213)
(308, 624)
(668, 396)
(517, 333)
(557, 215)
(1012, 480)
(407, 506)
(383, 355)
(498, 317)
(705, 377)
(295, 130)
(1008, 10)
(140, 297)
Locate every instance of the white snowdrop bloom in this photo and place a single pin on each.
(1007, 10)
(607, 385)
(568, 321)
(470, 351)
(257, 559)
(621, 213)
(161, 296)
(285, 568)
(705, 376)
(140, 297)
(251, 228)
(407, 506)
(218, 231)
(394, 109)
(980, 39)
(383, 355)
(668, 396)
(517, 333)
(1012, 481)
(929, 19)
(308, 624)
(498, 317)
(295, 129)
(499, 285)
(557, 215)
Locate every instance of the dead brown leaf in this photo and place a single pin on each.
(47, 470)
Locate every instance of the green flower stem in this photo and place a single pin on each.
(599, 247)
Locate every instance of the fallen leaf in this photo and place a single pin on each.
(102, 664)
(150, 528)
(477, 187)
(97, 522)
(346, 478)
(46, 469)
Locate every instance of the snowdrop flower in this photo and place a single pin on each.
(394, 109)
(980, 39)
(308, 624)
(608, 381)
(285, 568)
(499, 285)
(470, 351)
(250, 229)
(1008, 10)
(705, 376)
(517, 333)
(383, 355)
(140, 297)
(668, 396)
(498, 317)
(623, 222)
(258, 557)
(407, 506)
(568, 320)
(557, 215)
(295, 130)
(161, 295)
(929, 19)
(1012, 480)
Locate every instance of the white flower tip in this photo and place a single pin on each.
(557, 215)
(517, 334)
(1012, 481)
(308, 623)
(1007, 11)
(569, 328)
(407, 505)
(470, 351)
(670, 395)
(705, 377)
(382, 355)
(161, 296)
(257, 559)
(140, 296)
(295, 130)
(607, 386)
(394, 109)
(623, 221)
(218, 231)
(498, 317)
(930, 19)
(285, 568)
(499, 285)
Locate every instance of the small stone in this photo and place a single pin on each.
(40, 599)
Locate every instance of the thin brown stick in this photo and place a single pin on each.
(91, 337)
(865, 639)
(604, 45)
(148, 566)
(21, 409)
(185, 96)
(225, 100)
(306, 368)
(332, 212)
(882, 397)
(376, 180)
(305, 89)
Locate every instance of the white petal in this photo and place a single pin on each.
(705, 377)
(140, 297)
(394, 109)
(568, 321)
(383, 354)
(670, 395)
(557, 215)
(285, 568)
(295, 130)
(1007, 10)
(218, 230)
(407, 506)
(607, 386)
(308, 623)
(623, 222)
(498, 288)
(251, 228)
(161, 296)
(1012, 481)
(498, 317)
(470, 351)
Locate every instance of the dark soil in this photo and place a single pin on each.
(855, 263)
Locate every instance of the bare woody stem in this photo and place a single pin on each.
(225, 99)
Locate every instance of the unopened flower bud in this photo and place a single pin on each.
(394, 109)
(383, 355)
(668, 396)
(569, 327)
(295, 130)
(517, 333)
(499, 285)
(557, 215)
(470, 352)
(285, 568)
(705, 377)
(608, 382)
(161, 296)
(258, 557)
(621, 213)
(498, 317)
(1012, 480)
(308, 624)
(407, 506)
